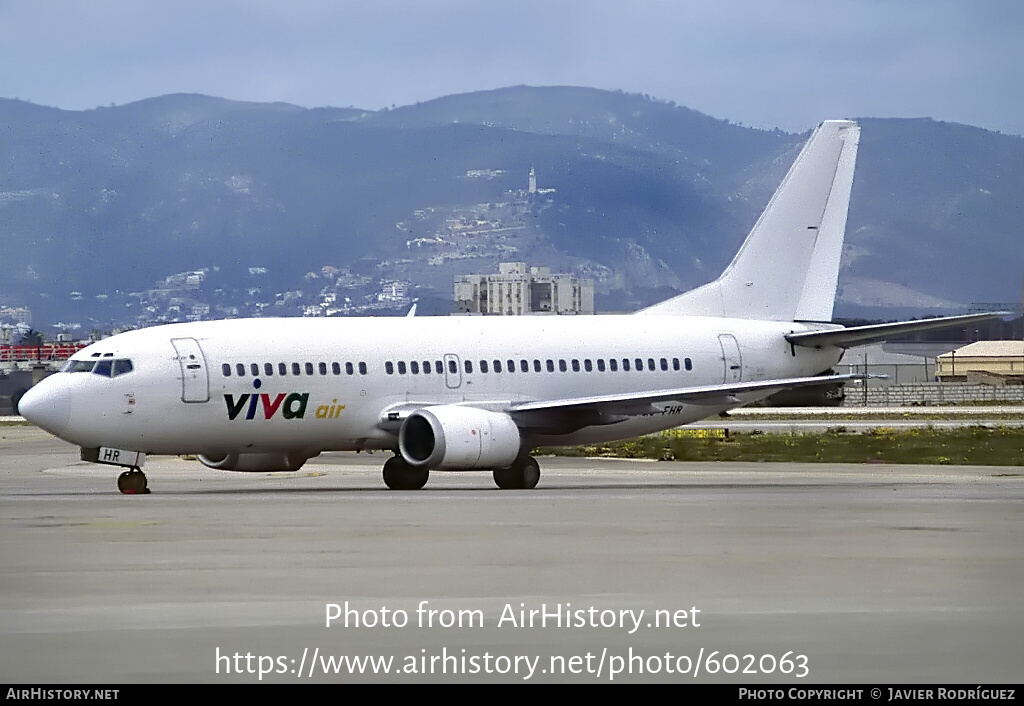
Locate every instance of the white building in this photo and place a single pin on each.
(516, 291)
(995, 362)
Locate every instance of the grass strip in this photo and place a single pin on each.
(967, 446)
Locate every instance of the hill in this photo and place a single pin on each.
(275, 208)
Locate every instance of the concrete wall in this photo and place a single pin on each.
(931, 393)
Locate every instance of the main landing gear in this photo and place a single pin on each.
(399, 475)
(133, 482)
(523, 474)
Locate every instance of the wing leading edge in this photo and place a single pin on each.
(633, 403)
(609, 409)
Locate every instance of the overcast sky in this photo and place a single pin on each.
(780, 63)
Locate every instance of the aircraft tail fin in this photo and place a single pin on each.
(788, 267)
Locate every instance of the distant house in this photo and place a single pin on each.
(994, 362)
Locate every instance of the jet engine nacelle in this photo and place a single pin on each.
(449, 437)
(272, 461)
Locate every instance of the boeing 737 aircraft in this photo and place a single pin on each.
(478, 393)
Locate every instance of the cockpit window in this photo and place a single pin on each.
(106, 367)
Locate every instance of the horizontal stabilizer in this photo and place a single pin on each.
(873, 333)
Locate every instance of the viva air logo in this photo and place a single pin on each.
(291, 405)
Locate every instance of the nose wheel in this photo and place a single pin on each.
(133, 482)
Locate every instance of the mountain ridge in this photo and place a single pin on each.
(646, 195)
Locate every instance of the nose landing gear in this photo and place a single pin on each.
(133, 482)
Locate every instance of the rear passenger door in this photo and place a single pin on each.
(732, 362)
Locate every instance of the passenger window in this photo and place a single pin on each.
(426, 367)
(625, 364)
(483, 366)
(675, 364)
(452, 367)
(536, 365)
(401, 367)
(309, 368)
(348, 369)
(268, 369)
(600, 365)
(524, 365)
(322, 367)
(336, 368)
(497, 366)
(362, 368)
(551, 365)
(104, 368)
(562, 367)
(122, 366)
(664, 364)
(255, 368)
(240, 369)
(511, 366)
(587, 365)
(639, 363)
(575, 365)
(296, 369)
(414, 368)
(650, 363)
(225, 369)
(439, 367)
(468, 365)
(613, 364)
(282, 368)
(389, 368)
(688, 364)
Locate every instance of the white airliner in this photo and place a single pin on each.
(478, 393)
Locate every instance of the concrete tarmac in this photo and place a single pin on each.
(742, 573)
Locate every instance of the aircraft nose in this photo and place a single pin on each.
(47, 405)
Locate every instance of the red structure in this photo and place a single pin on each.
(43, 352)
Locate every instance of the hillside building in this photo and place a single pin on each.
(517, 290)
(15, 315)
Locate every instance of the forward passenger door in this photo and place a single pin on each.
(195, 378)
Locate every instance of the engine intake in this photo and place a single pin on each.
(449, 437)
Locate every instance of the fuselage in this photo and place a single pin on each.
(256, 385)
